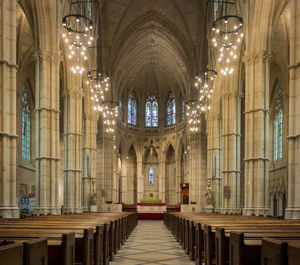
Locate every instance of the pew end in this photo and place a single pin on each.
(11, 254)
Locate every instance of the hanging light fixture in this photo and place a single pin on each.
(227, 34)
(204, 84)
(110, 115)
(78, 32)
(193, 113)
(99, 83)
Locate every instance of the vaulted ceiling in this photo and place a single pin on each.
(153, 44)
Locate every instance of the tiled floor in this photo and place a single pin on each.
(151, 243)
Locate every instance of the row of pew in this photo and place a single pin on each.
(81, 239)
(221, 239)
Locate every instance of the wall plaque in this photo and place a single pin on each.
(226, 192)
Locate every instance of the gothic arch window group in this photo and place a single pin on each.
(171, 111)
(25, 124)
(132, 109)
(151, 111)
(278, 124)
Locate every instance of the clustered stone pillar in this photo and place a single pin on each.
(293, 207)
(257, 133)
(140, 180)
(231, 146)
(8, 71)
(162, 181)
(89, 154)
(178, 178)
(197, 169)
(105, 167)
(47, 131)
(123, 177)
(72, 142)
(214, 156)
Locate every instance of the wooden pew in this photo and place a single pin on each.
(199, 247)
(11, 254)
(105, 238)
(274, 252)
(36, 252)
(222, 246)
(294, 253)
(254, 228)
(241, 253)
(27, 252)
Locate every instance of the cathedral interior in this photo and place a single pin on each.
(189, 102)
(118, 114)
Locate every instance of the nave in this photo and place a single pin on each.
(151, 243)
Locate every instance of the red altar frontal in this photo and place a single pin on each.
(151, 211)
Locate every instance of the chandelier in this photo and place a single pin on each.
(110, 114)
(227, 35)
(193, 113)
(204, 85)
(78, 33)
(99, 84)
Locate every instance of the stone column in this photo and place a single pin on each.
(47, 132)
(257, 133)
(124, 180)
(197, 169)
(214, 158)
(72, 142)
(178, 176)
(162, 180)
(231, 149)
(108, 166)
(8, 71)
(293, 205)
(89, 154)
(140, 180)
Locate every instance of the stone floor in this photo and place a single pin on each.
(151, 243)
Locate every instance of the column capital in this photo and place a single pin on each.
(254, 57)
(73, 92)
(49, 56)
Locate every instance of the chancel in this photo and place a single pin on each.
(149, 132)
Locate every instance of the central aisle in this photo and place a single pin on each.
(151, 243)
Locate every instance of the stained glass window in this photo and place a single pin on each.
(25, 124)
(182, 110)
(151, 112)
(171, 111)
(151, 175)
(278, 125)
(132, 105)
(120, 110)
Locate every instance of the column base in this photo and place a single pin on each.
(44, 210)
(231, 211)
(256, 211)
(110, 208)
(292, 213)
(191, 208)
(69, 210)
(9, 211)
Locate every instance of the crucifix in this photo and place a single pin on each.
(151, 171)
(151, 147)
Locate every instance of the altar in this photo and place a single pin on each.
(151, 211)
